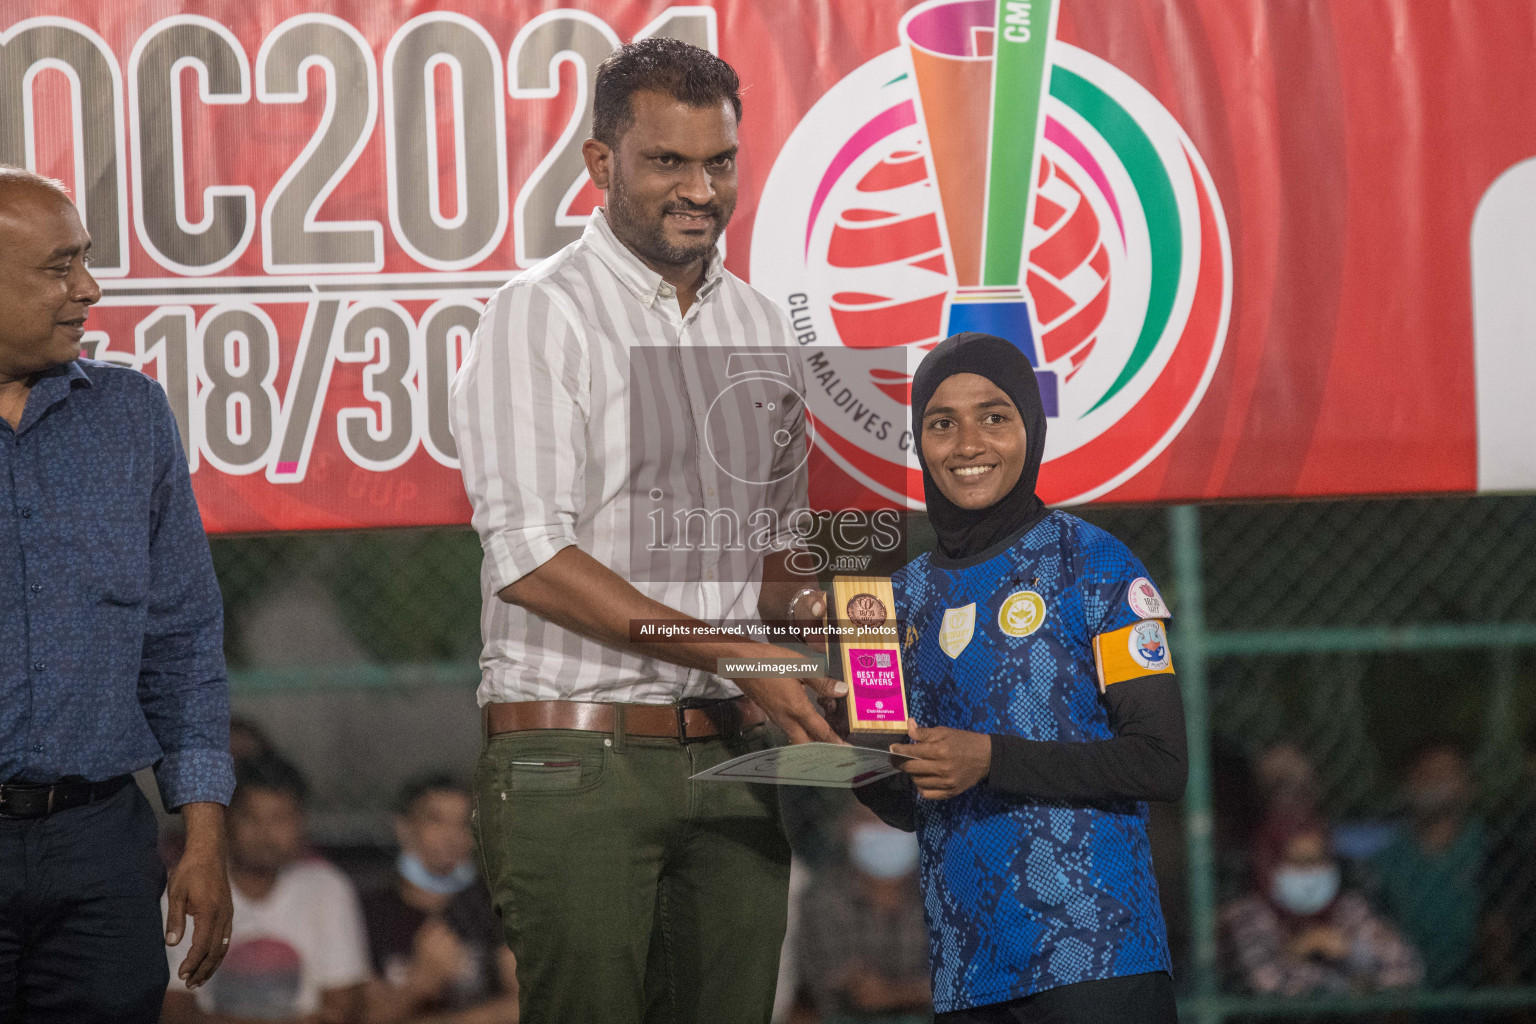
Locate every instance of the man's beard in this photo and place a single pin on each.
(649, 239)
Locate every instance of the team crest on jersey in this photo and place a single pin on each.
(1145, 601)
(1022, 613)
(957, 629)
(1149, 645)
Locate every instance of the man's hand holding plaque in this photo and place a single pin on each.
(808, 616)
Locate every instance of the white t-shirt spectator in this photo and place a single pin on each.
(304, 938)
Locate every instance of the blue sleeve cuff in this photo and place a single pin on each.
(195, 776)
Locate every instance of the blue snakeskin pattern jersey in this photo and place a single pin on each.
(1027, 895)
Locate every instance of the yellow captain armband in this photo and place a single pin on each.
(1140, 649)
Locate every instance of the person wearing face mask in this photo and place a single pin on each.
(433, 938)
(1046, 714)
(1430, 876)
(1299, 932)
(863, 948)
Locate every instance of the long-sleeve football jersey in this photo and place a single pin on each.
(1025, 894)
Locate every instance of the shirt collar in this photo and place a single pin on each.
(52, 387)
(647, 285)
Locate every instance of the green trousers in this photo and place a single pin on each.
(628, 894)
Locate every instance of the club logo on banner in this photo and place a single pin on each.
(899, 210)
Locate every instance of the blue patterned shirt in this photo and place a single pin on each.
(1026, 895)
(111, 623)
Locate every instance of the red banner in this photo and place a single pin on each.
(1270, 249)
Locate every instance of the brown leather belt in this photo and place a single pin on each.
(674, 721)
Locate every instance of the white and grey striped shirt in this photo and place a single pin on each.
(671, 448)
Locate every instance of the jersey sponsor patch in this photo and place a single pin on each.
(1022, 613)
(1140, 649)
(957, 628)
(1145, 600)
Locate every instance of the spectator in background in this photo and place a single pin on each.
(1287, 782)
(297, 952)
(1430, 875)
(248, 740)
(436, 945)
(1521, 889)
(1238, 812)
(864, 944)
(1511, 881)
(1299, 932)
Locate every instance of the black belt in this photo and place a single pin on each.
(40, 799)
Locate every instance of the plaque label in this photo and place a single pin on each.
(876, 685)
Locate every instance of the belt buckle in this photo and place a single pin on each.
(725, 714)
(14, 805)
(710, 709)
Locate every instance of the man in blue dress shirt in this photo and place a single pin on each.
(111, 653)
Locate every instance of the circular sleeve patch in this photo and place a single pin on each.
(1149, 645)
(1145, 601)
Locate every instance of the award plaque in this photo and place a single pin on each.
(864, 621)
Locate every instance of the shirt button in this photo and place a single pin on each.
(26, 513)
(37, 588)
(38, 749)
(38, 666)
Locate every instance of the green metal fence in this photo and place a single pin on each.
(1351, 629)
(1403, 578)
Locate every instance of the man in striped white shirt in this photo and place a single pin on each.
(632, 435)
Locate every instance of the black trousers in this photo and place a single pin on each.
(81, 937)
(1137, 999)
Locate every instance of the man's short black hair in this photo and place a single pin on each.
(416, 787)
(272, 773)
(684, 72)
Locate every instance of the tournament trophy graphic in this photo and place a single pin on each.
(985, 174)
(982, 73)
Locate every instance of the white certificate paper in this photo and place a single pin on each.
(833, 765)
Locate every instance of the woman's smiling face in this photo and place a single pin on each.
(974, 441)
